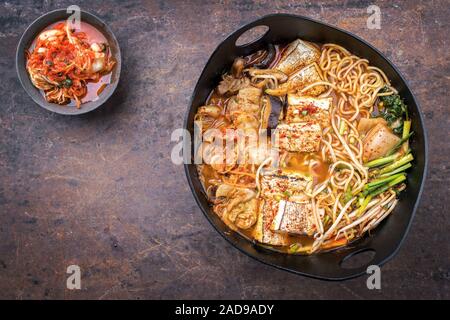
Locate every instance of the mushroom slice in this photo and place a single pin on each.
(268, 74)
(266, 109)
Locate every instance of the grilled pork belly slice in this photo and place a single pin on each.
(262, 233)
(299, 137)
(298, 54)
(294, 218)
(298, 81)
(305, 77)
(305, 109)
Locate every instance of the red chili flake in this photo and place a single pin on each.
(310, 108)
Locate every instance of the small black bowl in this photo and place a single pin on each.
(33, 31)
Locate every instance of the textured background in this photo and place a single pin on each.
(100, 191)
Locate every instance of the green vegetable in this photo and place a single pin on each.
(406, 129)
(399, 163)
(381, 161)
(387, 186)
(287, 193)
(298, 248)
(400, 169)
(364, 204)
(361, 199)
(342, 127)
(400, 143)
(293, 248)
(67, 83)
(386, 177)
(392, 170)
(305, 112)
(377, 182)
(347, 195)
(395, 112)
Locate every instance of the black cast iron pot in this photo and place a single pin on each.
(386, 239)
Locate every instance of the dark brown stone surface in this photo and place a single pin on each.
(100, 191)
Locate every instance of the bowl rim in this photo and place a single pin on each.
(421, 118)
(53, 107)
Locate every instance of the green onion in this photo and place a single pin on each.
(387, 186)
(406, 128)
(360, 199)
(347, 195)
(294, 248)
(378, 182)
(400, 143)
(364, 204)
(342, 128)
(305, 112)
(400, 169)
(380, 161)
(402, 161)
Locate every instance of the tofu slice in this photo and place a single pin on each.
(321, 103)
(262, 232)
(305, 109)
(277, 187)
(294, 218)
(299, 137)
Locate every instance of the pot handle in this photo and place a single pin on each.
(253, 45)
(347, 264)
